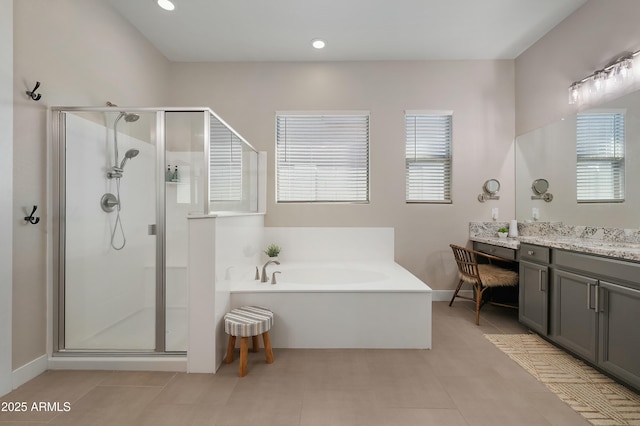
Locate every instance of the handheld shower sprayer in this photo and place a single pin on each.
(128, 155)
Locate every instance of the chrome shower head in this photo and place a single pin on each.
(128, 155)
(130, 117)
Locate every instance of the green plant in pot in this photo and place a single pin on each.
(273, 250)
(503, 232)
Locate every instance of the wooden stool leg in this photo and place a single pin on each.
(232, 344)
(244, 349)
(256, 344)
(267, 347)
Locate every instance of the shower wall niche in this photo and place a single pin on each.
(124, 182)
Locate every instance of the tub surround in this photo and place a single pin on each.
(618, 243)
(340, 288)
(360, 305)
(372, 302)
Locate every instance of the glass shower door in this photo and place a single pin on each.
(109, 207)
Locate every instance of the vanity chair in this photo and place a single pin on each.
(482, 276)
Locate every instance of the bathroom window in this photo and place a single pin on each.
(428, 156)
(600, 140)
(225, 159)
(322, 157)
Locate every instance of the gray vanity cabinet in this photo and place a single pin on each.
(619, 319)
(534, 284)
(595, 311)
(573, 314)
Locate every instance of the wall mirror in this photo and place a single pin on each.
(551, 152)
(490, 190)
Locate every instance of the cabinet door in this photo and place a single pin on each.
(619, 318)
(533, 299)
(573, 316)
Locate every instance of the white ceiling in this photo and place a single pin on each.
(282, 30)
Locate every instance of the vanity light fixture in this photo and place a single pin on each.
(612, 78)
(166, 4)
(318, 43)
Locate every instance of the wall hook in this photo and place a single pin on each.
(32, 94)
(31, 219)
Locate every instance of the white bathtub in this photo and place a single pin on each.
(342, 305)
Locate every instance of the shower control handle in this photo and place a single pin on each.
(109, 202)
(151, 229)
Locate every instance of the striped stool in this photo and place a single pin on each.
(245, 322)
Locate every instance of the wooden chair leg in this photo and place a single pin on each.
(479, 296)
(267, 347)
(230, 347)
(478, 304)
(244, 349)
(256, 344)
(455, 293)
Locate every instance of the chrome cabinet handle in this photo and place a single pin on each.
(531, 253)
(540, 272)
(588, 295)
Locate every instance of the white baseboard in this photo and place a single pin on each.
(22, 375)
(446, 295)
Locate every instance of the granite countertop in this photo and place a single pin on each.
(616, 243)
(512, 243)
(616, 250)
(613, 249)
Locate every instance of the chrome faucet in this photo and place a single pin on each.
(264, 278)
(273, 277)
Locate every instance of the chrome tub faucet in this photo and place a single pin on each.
(264, 278)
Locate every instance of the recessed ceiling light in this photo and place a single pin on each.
(166, 4)
(318, 43)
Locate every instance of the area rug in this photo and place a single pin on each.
(595, 396)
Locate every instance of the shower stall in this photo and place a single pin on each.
(124, 182)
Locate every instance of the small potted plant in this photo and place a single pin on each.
(273, 250)
(503, 232)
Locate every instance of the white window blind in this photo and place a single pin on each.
(428, 157)
(600, 140)
(225, 159)
(322, 158)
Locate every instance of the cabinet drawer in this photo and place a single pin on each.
(534, 253)
(504, 252)
(599, 267)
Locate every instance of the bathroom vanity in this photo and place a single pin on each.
(583, 295)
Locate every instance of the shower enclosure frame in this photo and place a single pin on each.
(58, 204)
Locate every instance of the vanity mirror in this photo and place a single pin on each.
(539, 188)
(551, 152)
(490, 190)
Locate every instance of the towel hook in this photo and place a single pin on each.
(31, 219)
(32, 94)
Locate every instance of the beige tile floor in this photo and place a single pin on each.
(463, 380)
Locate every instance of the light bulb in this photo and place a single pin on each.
(318, 43)
(166, 4)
